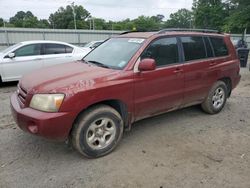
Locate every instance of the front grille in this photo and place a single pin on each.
(21, 94)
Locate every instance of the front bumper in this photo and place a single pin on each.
(54, 126)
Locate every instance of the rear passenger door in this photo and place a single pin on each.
(56, 54)
(198, 56)
(159, 90)
(221, 62)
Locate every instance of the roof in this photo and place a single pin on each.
(43, 41)
(170, 33)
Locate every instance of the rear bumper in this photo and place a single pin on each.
(54, 126)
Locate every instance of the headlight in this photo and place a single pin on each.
(47, 102)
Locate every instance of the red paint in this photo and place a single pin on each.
(144, 93)
(147, 65)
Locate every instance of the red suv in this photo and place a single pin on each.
(127, 78)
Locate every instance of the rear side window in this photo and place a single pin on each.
(69, 49)
(57, 49)
(220, 48)
(164, 51)
(193, 48)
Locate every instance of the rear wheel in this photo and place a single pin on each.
(216, 98)
(97, 131)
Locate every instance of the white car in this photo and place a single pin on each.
(27, 56)
(91, 45)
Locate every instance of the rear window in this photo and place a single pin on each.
(193, 47)
(220, 48)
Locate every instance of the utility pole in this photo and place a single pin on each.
(74, 14)
(90, 22)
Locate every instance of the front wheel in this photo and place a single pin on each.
(97, 131)
(216, 98)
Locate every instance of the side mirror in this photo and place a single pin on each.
(10, 55)
(147, 65)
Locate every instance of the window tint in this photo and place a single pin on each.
(220, 48)
(69, 49)
(57, 49)
(164, 51)
(193, 48)
(28, 50)
(208, 47)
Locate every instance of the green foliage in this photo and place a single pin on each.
(1, 22)
(209, 14)
(239, 17)
(144, 23)
(225, 15)
(24, 19)
(181, 19)
(63, 18)
(43, 23)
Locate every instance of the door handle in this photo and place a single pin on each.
(178, 70)
(38, 59)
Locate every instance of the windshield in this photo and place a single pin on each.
(115, 53)
(11, 48)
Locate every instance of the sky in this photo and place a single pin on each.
(114, 10)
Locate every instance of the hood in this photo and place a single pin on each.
(65, 76)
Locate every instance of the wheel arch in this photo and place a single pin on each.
(228, 82)
(117, 104)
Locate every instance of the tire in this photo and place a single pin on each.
(216, 99)
(97, 131)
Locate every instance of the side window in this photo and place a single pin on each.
(69, 49)
(208, 47)
(164, 51)
(220, 48)
(54, 49)
(28, 50)
(193, 48)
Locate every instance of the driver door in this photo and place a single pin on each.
(162, 89)
(27, 58)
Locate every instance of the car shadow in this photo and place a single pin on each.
(8, 84)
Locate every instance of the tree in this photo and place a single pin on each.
(158, 18)
(43, 23)
(181, 19)
(63, 18)
(24, 19)
(209, 14)
(1, 22)
(239, 17)
(144, 23)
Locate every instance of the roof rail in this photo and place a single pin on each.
(188, 30)
(135, 31)
(126, 32)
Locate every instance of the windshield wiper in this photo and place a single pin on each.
(98, 64)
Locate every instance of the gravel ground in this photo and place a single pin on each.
(185, 148)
